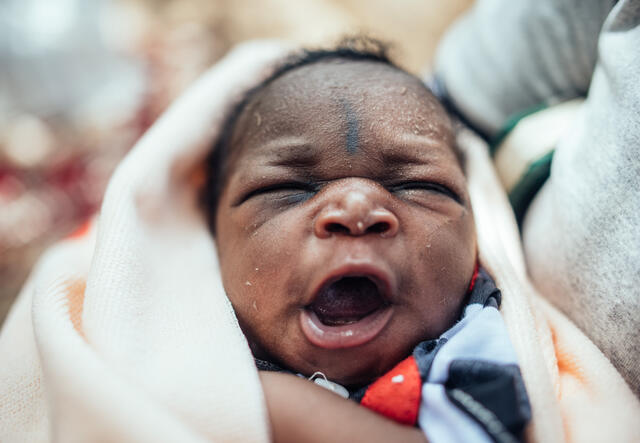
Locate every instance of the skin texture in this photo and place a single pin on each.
(300, 411)
(334, 164)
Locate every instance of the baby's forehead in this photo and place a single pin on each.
(368, 96)
(347, 79)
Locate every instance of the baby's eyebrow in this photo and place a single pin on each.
(414, 150)
(291, 153)
(294, 152)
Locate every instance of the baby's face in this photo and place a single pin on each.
(344, 230)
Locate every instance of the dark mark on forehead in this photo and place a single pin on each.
(352, 128)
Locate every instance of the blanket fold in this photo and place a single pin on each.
(124, 334)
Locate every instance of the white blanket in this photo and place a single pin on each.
(125, 334)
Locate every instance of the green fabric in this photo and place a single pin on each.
(537, 173)
(510, 124)
(529, 184)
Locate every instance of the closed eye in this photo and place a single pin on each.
(426, 186)
(292, 191)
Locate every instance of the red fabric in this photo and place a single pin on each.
(473, 279)
(396, 394)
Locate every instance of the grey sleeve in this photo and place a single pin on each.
(582, 232)
(506, 56)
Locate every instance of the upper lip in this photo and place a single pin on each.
(378, 275)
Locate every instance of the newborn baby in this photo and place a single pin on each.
(347, 247)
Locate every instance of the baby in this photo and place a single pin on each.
(347, 247)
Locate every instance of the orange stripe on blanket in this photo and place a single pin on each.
(81, 231)
(567, 362)
(75, 298)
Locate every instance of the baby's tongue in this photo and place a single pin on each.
(347, 301)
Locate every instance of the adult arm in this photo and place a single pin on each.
(300, 411)
(504, 57)
(581, 234)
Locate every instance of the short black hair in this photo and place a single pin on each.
(350, 49)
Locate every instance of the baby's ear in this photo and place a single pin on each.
(197, 182)
(197, 177)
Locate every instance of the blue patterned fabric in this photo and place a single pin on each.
(472, 387)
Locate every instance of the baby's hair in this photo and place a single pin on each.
(350, 49)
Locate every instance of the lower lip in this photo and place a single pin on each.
(345, 336)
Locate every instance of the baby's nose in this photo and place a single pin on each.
(356, 209)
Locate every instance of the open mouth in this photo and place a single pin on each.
(345, 312)
(347, 300)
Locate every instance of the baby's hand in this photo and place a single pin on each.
(300, 411)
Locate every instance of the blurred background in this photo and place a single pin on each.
(81, 80)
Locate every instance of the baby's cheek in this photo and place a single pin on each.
(447, 260)
(255, 215)
(254, 267)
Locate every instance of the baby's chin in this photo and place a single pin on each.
(348, 367)
(355, 372)
(354, 377)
